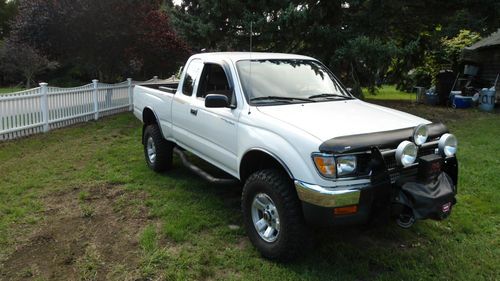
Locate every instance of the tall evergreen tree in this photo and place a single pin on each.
(327, 30)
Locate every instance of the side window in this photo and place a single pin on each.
(214, 81)
(194, 68)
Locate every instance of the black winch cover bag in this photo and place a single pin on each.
(427, 200)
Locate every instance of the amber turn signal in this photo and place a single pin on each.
(325, 164)
(346, 210)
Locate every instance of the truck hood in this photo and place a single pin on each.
(326, 120)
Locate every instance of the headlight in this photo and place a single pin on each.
(448, 145)
(420, 134)
(406, 153)
(346, 165)
(330, 166)
(325, 164)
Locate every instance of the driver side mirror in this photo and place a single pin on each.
(216, 101)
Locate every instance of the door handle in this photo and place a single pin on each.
(194, 111)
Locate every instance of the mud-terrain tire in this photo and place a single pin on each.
(269, 195)
(158, 152)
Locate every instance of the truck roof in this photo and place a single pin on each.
(236, 56)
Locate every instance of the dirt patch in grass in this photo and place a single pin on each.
(89, 233)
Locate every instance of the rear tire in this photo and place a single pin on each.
(158, 152)
(273, 216)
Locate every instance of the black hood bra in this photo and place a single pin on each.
(382, 140)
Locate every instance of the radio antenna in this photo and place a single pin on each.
(250, 70)
(251, 35)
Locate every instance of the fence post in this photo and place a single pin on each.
(96, 102)
(45, 107)
(130, 95)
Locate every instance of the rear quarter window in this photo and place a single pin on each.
(192, 73)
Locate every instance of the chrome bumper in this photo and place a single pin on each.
(328, 197)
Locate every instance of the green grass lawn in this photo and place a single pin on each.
(10, 90)
(80, 203)
(389, 92)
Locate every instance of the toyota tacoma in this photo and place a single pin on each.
(306, 151)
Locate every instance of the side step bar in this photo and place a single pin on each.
(195, 169)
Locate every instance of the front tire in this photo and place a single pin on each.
(157, 150)
(273, 215)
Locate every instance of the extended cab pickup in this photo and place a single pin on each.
(306, 150)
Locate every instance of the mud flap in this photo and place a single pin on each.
(428, 200)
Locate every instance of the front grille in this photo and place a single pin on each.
(406, 173)
(396, 171)
(390, 162)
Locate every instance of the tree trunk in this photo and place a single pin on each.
(28, 82)
(356, 89)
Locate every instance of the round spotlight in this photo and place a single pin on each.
(406, 153)
(448, 145)
(420, 134)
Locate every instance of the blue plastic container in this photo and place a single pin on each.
(487, 99)
(462, 102)
(453, 94)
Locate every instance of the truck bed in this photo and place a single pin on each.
(166, 87)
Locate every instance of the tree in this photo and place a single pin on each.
(112, 38)
(24, 60)
(157, 48)
(277, 25)
(454, 46)
(8, 10)
(368, 60)
(100, 38)
(410, 31)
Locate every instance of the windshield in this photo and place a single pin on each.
(288, 81)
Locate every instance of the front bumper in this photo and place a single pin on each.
(374, 198)
(318, 202)
(328, 196)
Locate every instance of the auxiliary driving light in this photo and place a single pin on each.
(448, 145)
(420, 134)
(406, 153)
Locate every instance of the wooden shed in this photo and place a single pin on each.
(486, 55)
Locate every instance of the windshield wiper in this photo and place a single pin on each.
(280, 98)
(330, 96)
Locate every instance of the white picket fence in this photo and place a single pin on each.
(45, 108)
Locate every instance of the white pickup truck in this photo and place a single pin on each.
(306, 150)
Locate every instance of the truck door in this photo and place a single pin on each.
(217, 127)
(183, 117)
